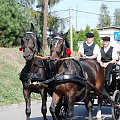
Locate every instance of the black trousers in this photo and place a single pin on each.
(108, 71)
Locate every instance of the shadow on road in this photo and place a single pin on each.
(41, 118)
(82, 114)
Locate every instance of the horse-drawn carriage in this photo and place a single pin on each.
(69, 80)
(114, 92)
(91, 82)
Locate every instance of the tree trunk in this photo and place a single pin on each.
(44, 45)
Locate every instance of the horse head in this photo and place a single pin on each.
(59, 48)
(29, 44)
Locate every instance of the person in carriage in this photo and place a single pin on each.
(107, 58)
(89, 49)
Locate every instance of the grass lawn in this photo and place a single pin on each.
(11, 63)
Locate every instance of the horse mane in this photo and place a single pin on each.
(66, 41)
(39, 44)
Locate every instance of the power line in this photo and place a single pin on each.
(78, 11)
(104, 0)
(88, 12)
(60, 11)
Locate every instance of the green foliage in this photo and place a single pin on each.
(14, 19)
(53, 23)
(9, 22)
(75, 43)
(117, 17)
(87, 29)
(104, 18)
(17, 17)
(74, 35)
(81, 36)
(51, 3)
(97, 38)
(27, 3)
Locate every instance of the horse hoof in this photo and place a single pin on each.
(99, 115)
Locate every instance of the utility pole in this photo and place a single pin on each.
(71, 37)
(76, 16)
(45, 24)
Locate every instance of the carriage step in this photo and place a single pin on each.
(82, 103)
(92, 92)
(79, 103)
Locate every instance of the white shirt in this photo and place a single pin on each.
(96, 49)
(114, 53)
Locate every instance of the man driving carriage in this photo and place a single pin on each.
(107, 58)
(89, 49)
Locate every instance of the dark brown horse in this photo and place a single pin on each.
(34, 72)
(75, 77)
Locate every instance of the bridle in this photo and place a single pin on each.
(27, 36)
(61, 52)
(34, 41)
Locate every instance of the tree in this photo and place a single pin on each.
(45, 19)
(53, 23)
(44, 9)
(117, 17)
(16, 16)
(87, 29)
(81, 36)
(12, 22)
(51, 3)
(97, 38)
(104, 18)
(26, 3)
(75, 43)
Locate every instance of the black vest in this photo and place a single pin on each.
(88, 50)
(106, 57)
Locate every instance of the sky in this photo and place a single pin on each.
(85, 9)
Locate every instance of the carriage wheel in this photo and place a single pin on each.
(116, 106)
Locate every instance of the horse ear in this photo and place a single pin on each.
(32, 27)
(23, 30)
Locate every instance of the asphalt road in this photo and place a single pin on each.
(17, 112)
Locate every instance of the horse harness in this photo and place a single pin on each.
(63, 78)
(32, 76)
(35, 76)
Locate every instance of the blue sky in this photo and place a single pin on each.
(83, 6)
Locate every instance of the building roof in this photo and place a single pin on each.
(110, 27)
